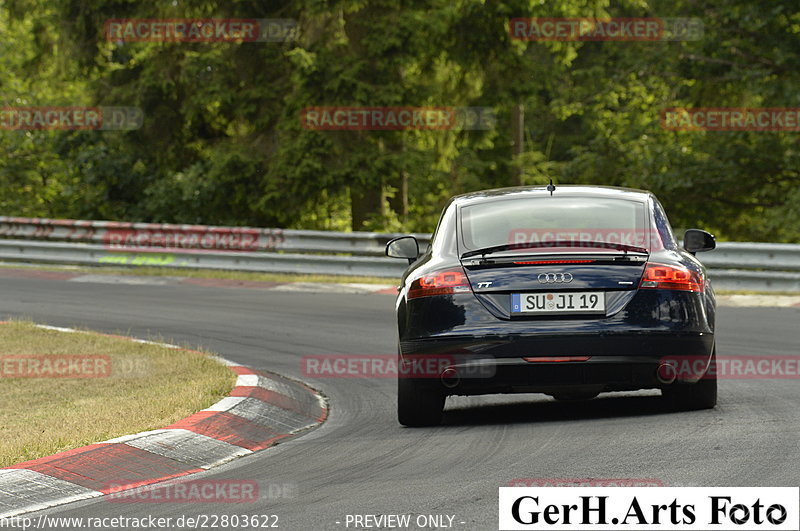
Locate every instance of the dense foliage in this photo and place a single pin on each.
(222, 141)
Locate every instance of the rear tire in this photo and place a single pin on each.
(696, 396)
(418, 405)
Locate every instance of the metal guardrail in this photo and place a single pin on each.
(733, 265)
(99, 255)
(735, 279)
(149, 237)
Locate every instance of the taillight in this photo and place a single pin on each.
(660, 276)
(439, 283)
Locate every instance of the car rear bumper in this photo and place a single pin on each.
(616, 362)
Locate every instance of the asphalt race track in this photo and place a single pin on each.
(361, 461)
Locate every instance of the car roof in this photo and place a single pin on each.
(518, 192)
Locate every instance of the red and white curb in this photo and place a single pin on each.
(261, 410)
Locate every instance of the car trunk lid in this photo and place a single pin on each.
(498, 282)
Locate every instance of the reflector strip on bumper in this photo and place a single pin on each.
(557, 359)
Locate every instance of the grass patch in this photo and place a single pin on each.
(209, 273)
(148, 387)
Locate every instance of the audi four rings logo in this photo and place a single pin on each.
(555, 278)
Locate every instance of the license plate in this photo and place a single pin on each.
(571, 302)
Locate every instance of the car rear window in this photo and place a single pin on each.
(550, 219)
(663, 227)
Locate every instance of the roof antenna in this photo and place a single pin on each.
(551, 187)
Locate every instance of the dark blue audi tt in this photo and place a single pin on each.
(569, 291)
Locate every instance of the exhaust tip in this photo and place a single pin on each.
(450, 377)
(666, 373)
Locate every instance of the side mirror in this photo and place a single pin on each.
(697, 241)
(403, 247)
